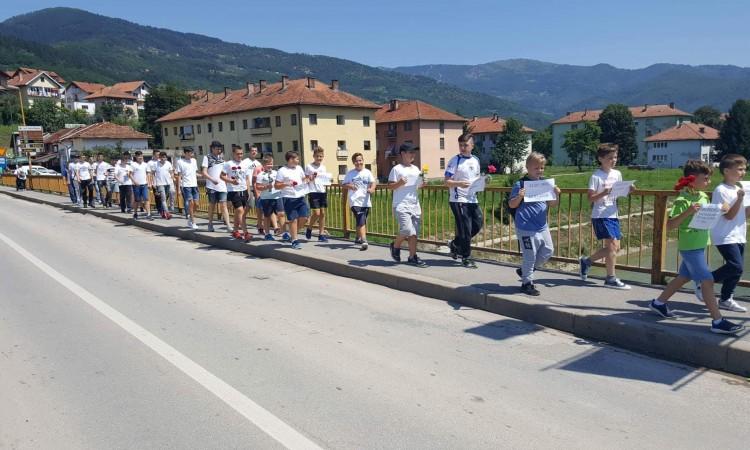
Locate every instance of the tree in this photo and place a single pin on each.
(10, 109)
(109, 111)
(162, 100)
(47, 114)
(511, 145)
(708, 115)
(580, 144)
(617, 126)
(541, 141)
(735, 133)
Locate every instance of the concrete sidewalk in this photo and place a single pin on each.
(586, 309)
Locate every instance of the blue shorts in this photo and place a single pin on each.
(140, 193)
(190, 193)
(271, 206)
(296, 207)
(607, 228)
(360, 214)
(258, 202)
(216, 196)
(694, 265)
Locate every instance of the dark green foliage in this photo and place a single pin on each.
(541, 142)
(160, 101)
(735, 133)
(708, 115)
(51, 117)
(617, 126)
(10, 111)
(580, 144)
(510, 146)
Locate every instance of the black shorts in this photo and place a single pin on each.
(318, 200)
(238, 199)
(360, 214)
(271, 206)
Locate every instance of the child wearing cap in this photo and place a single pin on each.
(360, 183)
(405, 179)
(292, 181)
(318, 196)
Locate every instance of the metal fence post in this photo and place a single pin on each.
(658, 254)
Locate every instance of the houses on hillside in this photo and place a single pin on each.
(130, 96)
(674, 146)
(35, 84)
(486, 130)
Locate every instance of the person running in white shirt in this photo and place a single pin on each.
(255, 167)
(100, 169)
(151, 164)
(460, 173)
(292, 181)
(270, 198)
(123, 174)
(318, 197)
(360, 183)
(237, 175)
(405, 179)
(186, 170)
(72, 180)
(163, 179)
(141, 183)
(111, 181)
(84, 178)
(216, 188)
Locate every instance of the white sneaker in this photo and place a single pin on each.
(194, 226)
(731, 305)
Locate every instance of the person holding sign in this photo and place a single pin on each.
(692, 245)
(460, 174)
(604, 215)
(531, 223)
(292, 181)
(360, 183)
(405, 179)
(318, 197)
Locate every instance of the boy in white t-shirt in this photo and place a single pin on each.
(729, 235)
(292, 181)
(186, 170)
(604, 216)
(405, 179)
(318, 196)
(216, 188)
(123, 175)
(360, 183)
(141, 182)
(84, 178)
(255, 167)
(237, 174)
(271, 202)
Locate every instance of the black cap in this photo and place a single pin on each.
(408, 147)
(215, 144)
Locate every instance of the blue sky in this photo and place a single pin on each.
(627, 33)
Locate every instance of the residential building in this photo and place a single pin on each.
(4, 88)
(674, 146)
(434, 130)
(126, 100)
(289, 115)
(91, 137)
(139, 89)
(649, 120)
(76, 93)
(37, 84)
(486, 130)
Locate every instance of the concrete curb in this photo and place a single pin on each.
(673, 343)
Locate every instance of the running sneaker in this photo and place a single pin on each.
(149, 217)
(194, 225)
(519, 272)
(731, 304)
(308, 234)
(357, 241)
(395, 252)
(725, 327)
(269, 237)
(296, 245)
(237, 234)
(468, 263)
(452, 249)
(585, 265)
(615, 283)
(211, 227)
(662, 310)
(530, 289)
(286, 237)
(168, 216)
(247, 237)
(364, 246)
(277, 232)
(322, 238)
(135, 215)
(416, 261)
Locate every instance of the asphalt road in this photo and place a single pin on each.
(116, 337)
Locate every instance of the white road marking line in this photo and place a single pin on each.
(261, 418)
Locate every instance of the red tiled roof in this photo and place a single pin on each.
(493, 124)
(414, 110)
(58, 135)
(101, 130)
(199, 95)
(128, 86)
(638, 112)
(87, 87)
(110, 92)
(24, 75)
(686, 131)
(296, 92)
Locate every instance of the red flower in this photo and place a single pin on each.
(491, 169)
(294, 183)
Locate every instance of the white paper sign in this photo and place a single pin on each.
(301, 188)
(323, 179)
(539, 190)
(478, 185)
(621, 189)
(746, 188)
(706, 217)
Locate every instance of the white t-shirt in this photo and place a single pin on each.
(463, 168)
(239, 170)
(406, 198)
(21, 172)
(605, 207)
(84, 171)
(121, 174)
(728, 231)
(292, 175)
(163, 173)
(315, 186)
(268, 178)
(72, 170)
(140, 173)
(101, 170)
(187, 169)
(214, 166)
(361, 180)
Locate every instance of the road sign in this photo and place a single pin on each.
(31, 134)
(32, 146)
(30, 128)
(3, 163)
(2, 151)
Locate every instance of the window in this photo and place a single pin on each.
(279, 147)
(295, 146)
(267, 148)
(247, 146)
(366, 121)
(407, 126)
(294, 119)
(442, 143)
(442, 127)
(244, 124)
(199, 128)
(313, 144)
(200, 149)
(442, 163)
(313, 119)
(259, 146)
(368, 166)
(278, 121)
(262, 122)
(85, 107)
(341, 145)
(574, 126)
(367, 145)
(221, 127)
(174, 130)
(340, 120)
(342, 169)
(231, 125)
(166, 131)
(210, 127)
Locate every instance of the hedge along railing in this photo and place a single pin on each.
(646, 246)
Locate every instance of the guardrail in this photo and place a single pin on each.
(646, 247)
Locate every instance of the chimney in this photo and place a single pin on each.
(495, 117)
(645, 107)
(702, 130)
(226, 92)
(567, 113)
(284, 81)
(474, 118)
(250, 89)
(261, 85)
(206, 94)
(394, 105)
(335, 85)
(585, 111)
(671, 105)
(310, 82)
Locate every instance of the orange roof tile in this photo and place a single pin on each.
(296, 92)
(686, 131)
(493, 124)
(24, 75)
(110, 92)
(638, 112)
(414, 110)
(87, 87)
(100, 130)
(128, 86)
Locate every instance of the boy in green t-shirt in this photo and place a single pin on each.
(692, 245)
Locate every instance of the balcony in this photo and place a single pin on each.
(43, 92)
(260, 131)
(342, 153)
